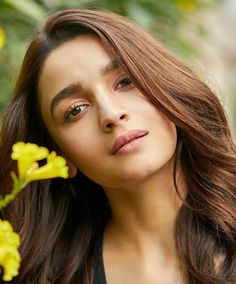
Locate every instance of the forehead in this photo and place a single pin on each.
(77, 59)
(76, 52)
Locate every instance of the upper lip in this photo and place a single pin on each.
(126, 138)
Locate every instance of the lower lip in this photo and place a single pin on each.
(131, 146)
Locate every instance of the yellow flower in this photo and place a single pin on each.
(9, 255)
(2, 38)
(55, 167)
(187, 6)
(26, 154)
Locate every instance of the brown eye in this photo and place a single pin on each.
(74, 111)
(124, 83)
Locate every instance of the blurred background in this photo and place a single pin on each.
(201, 32)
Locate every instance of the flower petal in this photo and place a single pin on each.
(55, 167)
(2, 38)
(9, 255)
(28, 151)
(26, 154)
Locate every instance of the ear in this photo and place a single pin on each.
(72, 169)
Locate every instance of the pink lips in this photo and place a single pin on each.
(127, 138)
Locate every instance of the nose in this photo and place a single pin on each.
(111, 114)
(113, 120)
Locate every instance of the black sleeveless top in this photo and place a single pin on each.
(99, 272)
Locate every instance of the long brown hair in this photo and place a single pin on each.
(58, 219)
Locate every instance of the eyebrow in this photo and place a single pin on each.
(112, 66)
(72, 89)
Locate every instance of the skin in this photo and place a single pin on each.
(139, 237)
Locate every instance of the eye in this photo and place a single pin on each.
(127, 81)
(74, 111)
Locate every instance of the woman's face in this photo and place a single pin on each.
(99, 119)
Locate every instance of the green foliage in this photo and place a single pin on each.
(19, 18)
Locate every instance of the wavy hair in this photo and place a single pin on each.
(55, 218)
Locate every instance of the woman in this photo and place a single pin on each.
(151, 195)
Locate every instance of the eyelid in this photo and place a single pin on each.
(71, 108)
(121, 78)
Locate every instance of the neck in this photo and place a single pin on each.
(144, 214)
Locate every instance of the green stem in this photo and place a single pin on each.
(18, 185)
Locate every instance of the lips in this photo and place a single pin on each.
(127, 138)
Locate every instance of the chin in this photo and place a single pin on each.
(138, 175)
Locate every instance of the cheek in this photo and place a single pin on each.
(80, 149)
(165, 136)
(169, 129)
(84, 152)
(169, 133)
(68, 140)
(76, 148)
(169, 141)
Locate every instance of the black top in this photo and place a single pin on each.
(99, 272)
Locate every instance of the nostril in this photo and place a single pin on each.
(109, 125)
(110, 122)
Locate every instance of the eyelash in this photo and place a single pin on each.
(67, 117)
(74, 107)
(127, 80)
